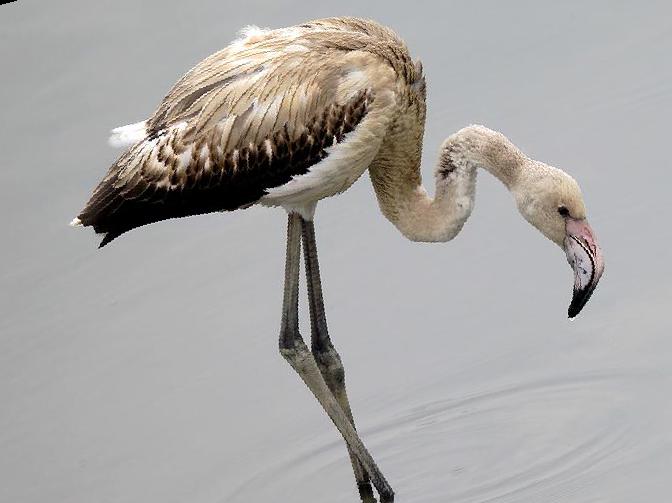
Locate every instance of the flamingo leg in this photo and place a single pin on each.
(297, 354)
(327, 358)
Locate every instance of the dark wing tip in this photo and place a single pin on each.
(107, 237)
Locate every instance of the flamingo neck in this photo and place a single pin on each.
(420, 217)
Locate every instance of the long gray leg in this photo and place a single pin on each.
(295, 351)
(327, 358)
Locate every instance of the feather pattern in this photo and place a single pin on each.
(257, 116)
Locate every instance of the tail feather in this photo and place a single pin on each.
(125, 136)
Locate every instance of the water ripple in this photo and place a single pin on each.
(537, 440)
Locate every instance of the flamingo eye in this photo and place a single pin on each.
(563, 211)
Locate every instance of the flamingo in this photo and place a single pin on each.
(290, 116)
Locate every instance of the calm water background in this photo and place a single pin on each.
(149, 371)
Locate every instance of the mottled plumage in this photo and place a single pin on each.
(255, 116)
(287, 117)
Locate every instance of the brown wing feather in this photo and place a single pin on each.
(137, 193)
(247, 119)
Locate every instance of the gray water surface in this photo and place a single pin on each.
(148, 371)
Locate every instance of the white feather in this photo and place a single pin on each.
(249, 35)
(125, 136)
(344, 164)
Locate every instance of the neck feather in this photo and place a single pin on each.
(405, 202)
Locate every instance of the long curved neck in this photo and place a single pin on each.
(404, 201)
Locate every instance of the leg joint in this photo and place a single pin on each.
(331, 366)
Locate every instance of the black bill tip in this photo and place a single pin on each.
(579, 299)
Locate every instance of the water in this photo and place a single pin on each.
(149, 371)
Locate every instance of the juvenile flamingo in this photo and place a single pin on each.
(290, 116)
